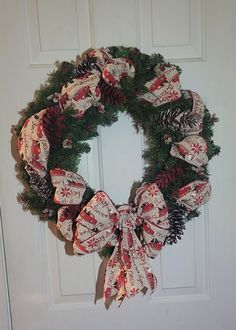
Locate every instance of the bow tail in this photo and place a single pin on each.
(127, 271)
(139, 275)
(114, 284)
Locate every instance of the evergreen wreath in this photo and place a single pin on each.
(54, 131)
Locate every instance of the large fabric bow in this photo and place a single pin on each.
(135, 232)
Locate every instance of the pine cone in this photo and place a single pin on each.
(164, 178)
(177, 119)
(111, 95)
(87, 65)
(53, 126)
(177, 218)
(38, 183)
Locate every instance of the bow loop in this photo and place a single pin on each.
(152, 209)
(70, 187)
(96, 225)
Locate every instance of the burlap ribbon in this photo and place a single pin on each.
(70, 188)
(33, 145)
(135, 232)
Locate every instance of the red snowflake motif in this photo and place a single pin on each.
(100, 197)
(173, 95)
(112, 263)
(79, 114)
(65, 191)
(133, 292)
(93, 243)
(107, 293)
(198, 200)
(153, 190)
(139, 251)
(196, 148)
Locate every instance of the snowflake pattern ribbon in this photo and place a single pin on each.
(33, 145)
(194, 194)
(70, 188)
(101, 224)
(164, 88)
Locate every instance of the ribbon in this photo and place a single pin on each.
(101, 224)
(70, 188)
(84, 92)
(33, 145)
(192, 149)
(119, 69)
(81, 94)
(164, 88)
(194, 194)
(198, 112)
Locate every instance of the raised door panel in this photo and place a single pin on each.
(172, 28)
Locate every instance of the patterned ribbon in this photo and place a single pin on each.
(70, 188)
(33, 145)
(81, 94)
(194, 194)
(197, 110)
(84, 92)
(164, 88)
(192, 149)
(100, 224)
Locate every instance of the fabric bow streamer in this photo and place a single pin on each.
(70, 188)
(33, 145)
(100, 224)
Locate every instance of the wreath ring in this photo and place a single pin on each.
(178, 129)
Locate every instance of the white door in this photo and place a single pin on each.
(48, 288)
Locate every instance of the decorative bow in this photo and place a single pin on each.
(70, 188)
(135, 233)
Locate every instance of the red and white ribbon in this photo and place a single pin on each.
(164, 88)
(101, 224)
(70, 188)
(81, 94)
(194, 194)
(33, 145)
(198, 112)
(192, 149)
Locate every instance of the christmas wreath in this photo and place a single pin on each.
(54, 131)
